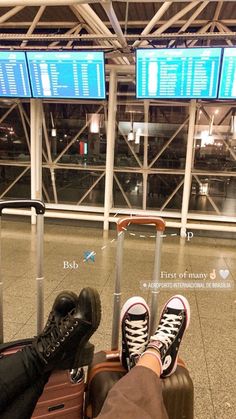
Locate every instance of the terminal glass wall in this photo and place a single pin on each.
(149, 156)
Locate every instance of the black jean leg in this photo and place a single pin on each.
(17, 372)
(22, 406)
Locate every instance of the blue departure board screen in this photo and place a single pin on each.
(67, 74)
(14, 80)
(228, 75)
(177, 73)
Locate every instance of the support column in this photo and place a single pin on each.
(111, 127)
(188, 167)
(36, 151)
(145, 153)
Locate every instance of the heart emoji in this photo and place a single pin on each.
(224, 273)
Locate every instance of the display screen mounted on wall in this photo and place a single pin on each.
(227, 88)
(14, 80)
(177, 73)
(67, 74)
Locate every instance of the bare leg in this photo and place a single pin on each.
(151, 359)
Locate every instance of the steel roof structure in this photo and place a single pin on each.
(118, 27)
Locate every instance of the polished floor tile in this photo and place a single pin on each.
(209, 346)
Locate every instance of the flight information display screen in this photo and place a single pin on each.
(14, 80)
(228, 75)
(177, 73)
(63, 74)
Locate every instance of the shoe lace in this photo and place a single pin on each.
(56, 333)
(136, 334)
(167, 329)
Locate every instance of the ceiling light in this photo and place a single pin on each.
(131, 135)
(206, 139)
(95, 122)
(53, 132)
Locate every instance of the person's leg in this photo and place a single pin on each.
(23, 369)
(23, 406)
(17, 373)
(139, 394)
(63, 344)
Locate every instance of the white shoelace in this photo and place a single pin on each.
(166, 330)
(136, 333)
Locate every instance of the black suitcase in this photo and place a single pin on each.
(106, 369)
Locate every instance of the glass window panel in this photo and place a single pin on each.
(130, 132)
(160, 188)
(7, 176)
(219, 190)
(72, 185)
(64, 121)
(215, 139)
(173, 156)
(13, 145)
(132, 188)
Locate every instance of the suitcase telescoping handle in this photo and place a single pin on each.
(40, 210)
(122, 225)
(23, 203)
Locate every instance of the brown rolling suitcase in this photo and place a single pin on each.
(63, 394)
(106, 368)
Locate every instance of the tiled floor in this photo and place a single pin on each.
(209, 347)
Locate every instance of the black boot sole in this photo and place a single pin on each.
(85, 354)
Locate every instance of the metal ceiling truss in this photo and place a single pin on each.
(119, 38)
(11, 3)
(103, 37)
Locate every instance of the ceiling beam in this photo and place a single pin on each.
(76, 32)
(25, 3)
(192, 18)
(187, 36)
(215, 18)
(70, 31)
(131, 23)
(90, 28)
(173, 19)
(224, 29)
(95, 22)
(10, 13)
(194, 15)
(165, 6)
(34, 23)
(107, 6)
(203, 30)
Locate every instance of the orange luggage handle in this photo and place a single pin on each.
(126, 221)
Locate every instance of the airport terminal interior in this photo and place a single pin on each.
(124, 108)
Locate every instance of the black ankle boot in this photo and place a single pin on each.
(64, 344)
(64, 303)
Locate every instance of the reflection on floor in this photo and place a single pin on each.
(209, 345)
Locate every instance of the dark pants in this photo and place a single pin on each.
(21, 384)
(137, 395)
